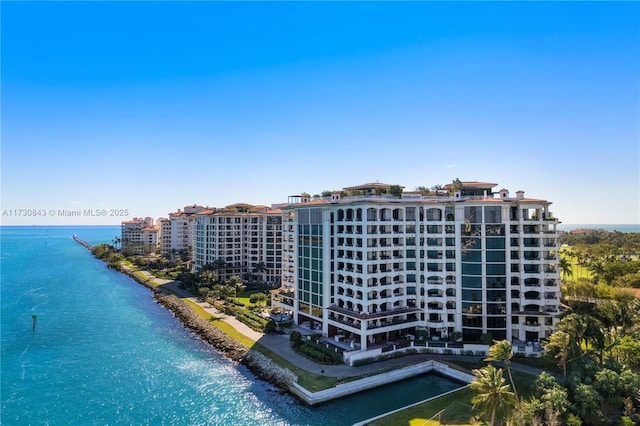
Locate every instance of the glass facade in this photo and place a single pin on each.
(484, 269)
(310, 261)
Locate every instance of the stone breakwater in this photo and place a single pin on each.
(260, 365)
(81, 242)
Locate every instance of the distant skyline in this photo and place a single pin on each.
(152, 106)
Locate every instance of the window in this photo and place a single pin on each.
(473, 214)
(471, 256)
(472, 269)
(493, 214)
(494, 256)
(496, 269)
(411, 213)
(434, 214)
(471, 282)
(474, 295)
(495, 243)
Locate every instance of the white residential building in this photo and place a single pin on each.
(164, 235)
(244, 239)
(183, 228)
(374, 268)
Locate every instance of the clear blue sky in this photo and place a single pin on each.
(153, 106)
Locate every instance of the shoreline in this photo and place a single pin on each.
(259, 365)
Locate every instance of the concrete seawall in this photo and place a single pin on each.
(366, 383)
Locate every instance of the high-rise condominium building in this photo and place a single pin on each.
(164, 235)
(139, 236)
(183, 228)
(374, 264)
(239, 240)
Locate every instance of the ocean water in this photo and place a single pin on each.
(103, 352)
(625, 227)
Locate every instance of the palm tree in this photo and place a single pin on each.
(559, 346)
(503, 351)
(237, 283)
(493, 398)
(208, 277)
(230, 292)
(117, 240)
(587, 403)
(259, 267)
(218, 291)
(566, 268)
(583, 329)
(219, 264)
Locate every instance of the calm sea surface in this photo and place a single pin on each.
(104, 352)
(627, 227)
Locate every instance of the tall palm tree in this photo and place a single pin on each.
(503, 351)
(493, 397)
(259, 267)
(566, 269)
(237, 283)
(559, 346)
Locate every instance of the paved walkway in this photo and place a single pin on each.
(280, 343)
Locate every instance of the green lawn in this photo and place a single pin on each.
(578, 271)
(420, 414)
(245, 296)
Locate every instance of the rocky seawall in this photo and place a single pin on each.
(260, 365)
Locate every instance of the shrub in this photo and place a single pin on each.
(270, 327)
(296, 339)
(320, 353)
(364, 361)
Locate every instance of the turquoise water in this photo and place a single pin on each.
(104, 352)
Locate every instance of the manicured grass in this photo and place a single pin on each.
(245, 296)
(420, 414)
(226, 328)
(198, 309)
(167, 275)
(578, 271)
